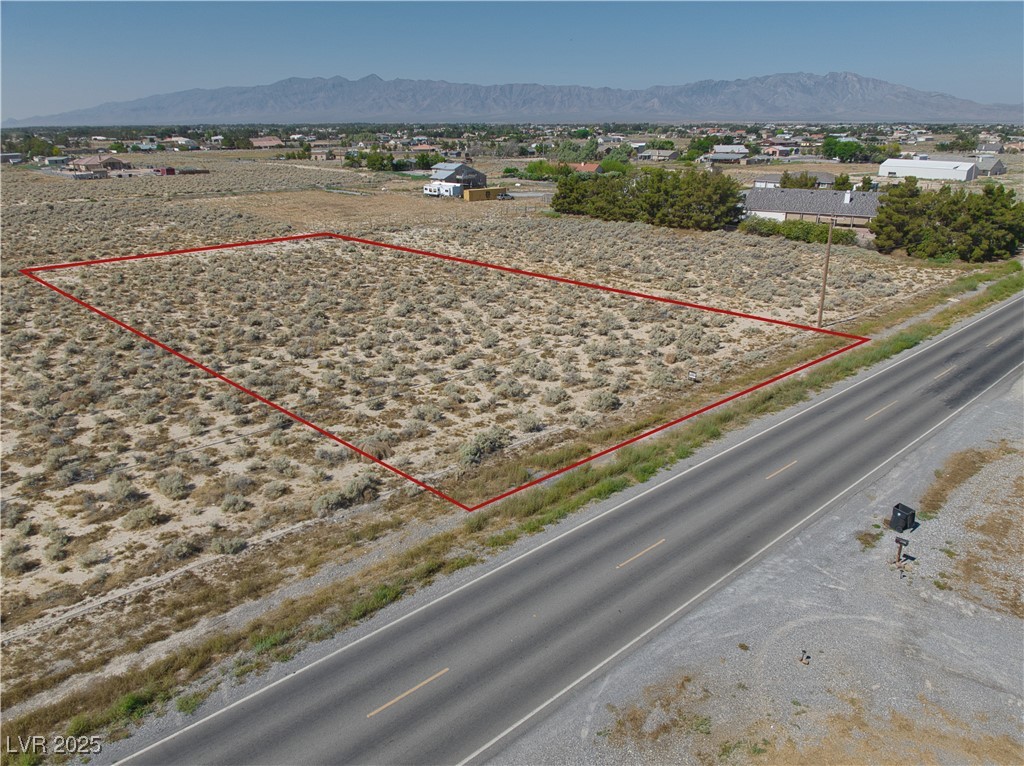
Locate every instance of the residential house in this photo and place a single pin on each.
(585, 167)
(728, 158)
(267, 142)
(990, 148)
(57, 162)
(11, 158)
(98, 162)
(990, 165)
(739, 149)
(658, 155)
(847, 208)
(458, 173)
(321, 154)
(928, 169)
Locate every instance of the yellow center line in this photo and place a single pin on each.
(771, 475)
(879, 412)
(945, 372)
(990, 345)
(641, 553)
(403, 695)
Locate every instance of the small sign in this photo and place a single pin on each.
(692, 375)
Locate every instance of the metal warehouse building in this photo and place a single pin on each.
(931, 169)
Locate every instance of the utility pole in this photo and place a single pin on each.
(824, 276)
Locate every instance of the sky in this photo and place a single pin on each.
(58, 56)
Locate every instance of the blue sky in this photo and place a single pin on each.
(58, 56)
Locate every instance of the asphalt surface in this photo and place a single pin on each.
(445, 682)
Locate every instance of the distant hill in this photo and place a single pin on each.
(835, 97)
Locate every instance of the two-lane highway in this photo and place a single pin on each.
(445, 682)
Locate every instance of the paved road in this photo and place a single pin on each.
(443, 683)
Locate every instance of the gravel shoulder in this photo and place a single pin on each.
(915, 665)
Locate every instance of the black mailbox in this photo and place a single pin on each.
(903, 518)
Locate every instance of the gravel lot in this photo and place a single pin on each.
(916, 666)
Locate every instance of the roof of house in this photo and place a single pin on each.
(934, 164)
(660, 152)
(96, 160)
(723, 156)
(823, 178)
(730, 149)
(987, 163)
(447, 166)
(585, 167)
(818, 201)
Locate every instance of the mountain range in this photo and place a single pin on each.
(834, 97)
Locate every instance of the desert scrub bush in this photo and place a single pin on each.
(276, 489)
(122, 492)
(332, 457)
(604, 401)
(141, 518)
(361, 489)
(554, 395)
(492, 440)
(529, 422)
(92, 556)
(234, 504)
(179, 550)
(12, 545)
(228, 546)
(18, 564)
(173, 485)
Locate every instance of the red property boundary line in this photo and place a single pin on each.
(32, 273)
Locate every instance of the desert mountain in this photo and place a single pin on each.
(835, 97)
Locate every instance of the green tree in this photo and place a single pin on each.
(427, 160)
(699, 146)
(802, 180)
(948, 224)
(378, 161)
(661, 143)
(866, 184)
(843, 182)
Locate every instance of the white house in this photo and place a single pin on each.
(931, 169)
(739, 149)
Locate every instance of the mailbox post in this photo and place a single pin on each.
(901, 543)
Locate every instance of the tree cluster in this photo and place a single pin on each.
(30, 146)
(855, 151)
(949, 224)
(690, 199)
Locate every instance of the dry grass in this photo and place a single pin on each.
(956, 471)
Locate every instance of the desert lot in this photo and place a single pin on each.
(122, 462)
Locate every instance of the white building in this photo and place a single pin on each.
(442, 189)
(930, 169)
